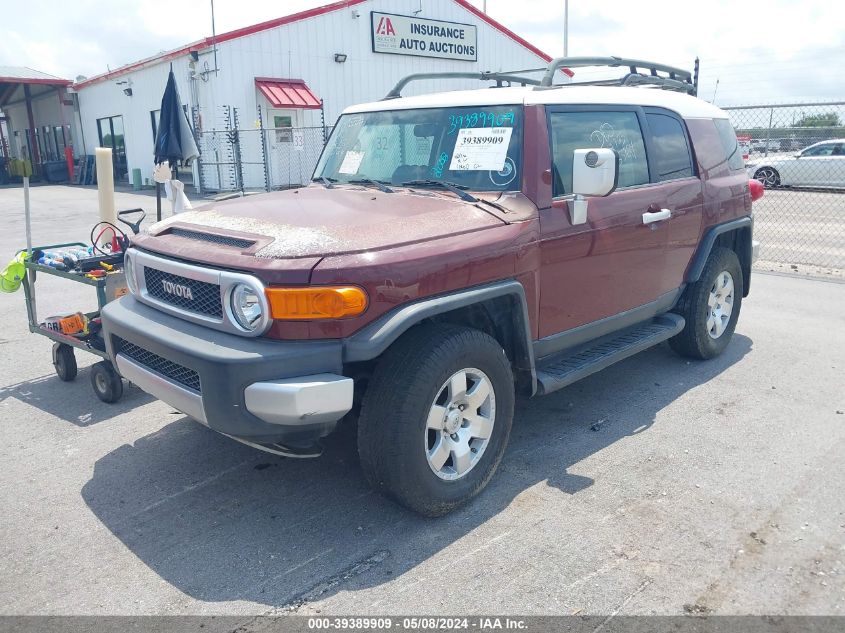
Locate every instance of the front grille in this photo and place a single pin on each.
(167, 368)
(204, 296)
(225, 240)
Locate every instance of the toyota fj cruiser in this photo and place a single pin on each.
(451, 251)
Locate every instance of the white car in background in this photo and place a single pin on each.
(819, 165)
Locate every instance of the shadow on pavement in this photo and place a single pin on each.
(223, 522)
(75, 401)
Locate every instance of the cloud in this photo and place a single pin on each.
(781, 52)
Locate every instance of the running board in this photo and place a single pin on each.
(561, 370)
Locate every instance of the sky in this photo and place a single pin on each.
(772, 52)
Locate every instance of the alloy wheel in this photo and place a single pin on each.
(720, 304)
(460, 423)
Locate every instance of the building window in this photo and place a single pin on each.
(110, 133)
(284, 128)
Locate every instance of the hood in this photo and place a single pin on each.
(292, 230)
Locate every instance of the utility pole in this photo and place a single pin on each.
(566, 28)
(214, 38)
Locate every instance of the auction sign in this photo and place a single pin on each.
(409, 35)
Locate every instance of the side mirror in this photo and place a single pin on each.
(595, 172)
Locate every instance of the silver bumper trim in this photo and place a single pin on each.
(302, 400)
(317, 399)
(179, 398)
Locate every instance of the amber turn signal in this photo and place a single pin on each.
(316, 302)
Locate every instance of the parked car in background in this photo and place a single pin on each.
(744, 141)
(764, 145)
(820, 165)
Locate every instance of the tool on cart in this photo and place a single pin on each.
(68, 324)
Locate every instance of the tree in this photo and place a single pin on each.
(830, 119)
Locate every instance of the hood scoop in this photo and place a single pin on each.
(224, 240)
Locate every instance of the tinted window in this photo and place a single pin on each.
(582, 130)
(671, 158)
(819, 150)
(728, 137)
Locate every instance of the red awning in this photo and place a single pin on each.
(287, 93)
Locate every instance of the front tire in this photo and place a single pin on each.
(436, 417)
(64, 361)
(106, 382)
(710, 307)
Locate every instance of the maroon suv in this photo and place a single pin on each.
(452, 250)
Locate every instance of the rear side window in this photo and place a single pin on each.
(581, 130)
(671, 156)
(730, 145)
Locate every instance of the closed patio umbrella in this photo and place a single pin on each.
(174, 140)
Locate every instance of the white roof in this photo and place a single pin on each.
(685, 105)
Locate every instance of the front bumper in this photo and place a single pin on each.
(258, 390)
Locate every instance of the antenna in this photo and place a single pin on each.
(713, 100)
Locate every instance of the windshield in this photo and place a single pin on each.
(477, 148)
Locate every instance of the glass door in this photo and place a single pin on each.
(110, 132)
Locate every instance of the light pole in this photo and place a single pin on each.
(566, 28)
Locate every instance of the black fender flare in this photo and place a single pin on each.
(371, 341)
(699, 260)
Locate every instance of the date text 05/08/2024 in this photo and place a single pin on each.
(479, 623)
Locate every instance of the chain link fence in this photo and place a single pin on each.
(234, 158)
(798, 152)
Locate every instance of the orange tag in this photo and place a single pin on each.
(72, 324)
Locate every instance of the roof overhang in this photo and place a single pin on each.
(288, 93)
(13, 89)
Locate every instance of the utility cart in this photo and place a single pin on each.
(105, 380)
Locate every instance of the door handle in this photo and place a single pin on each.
(656, 216)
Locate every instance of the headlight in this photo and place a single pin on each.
(246, 307)
(129, 273)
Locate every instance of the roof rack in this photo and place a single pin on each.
(672, 79)
(499, 78)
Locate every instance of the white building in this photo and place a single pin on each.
(277, 74)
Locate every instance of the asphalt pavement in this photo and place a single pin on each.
(660, 485)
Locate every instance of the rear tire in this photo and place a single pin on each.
(710, 307)
(64, 362)
(436, 417)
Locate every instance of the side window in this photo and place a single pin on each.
(581, 130)
(821, 150)
(671, 157)
(729, 144)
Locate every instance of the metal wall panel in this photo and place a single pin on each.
(302, 50)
